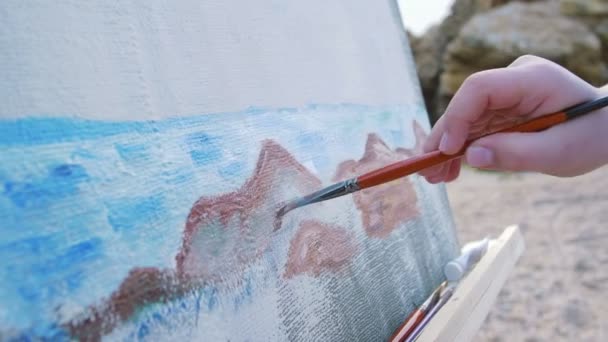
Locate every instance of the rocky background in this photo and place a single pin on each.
(559, 289)
(484, 34)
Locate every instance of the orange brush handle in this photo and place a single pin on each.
(406, 329)
(426, 160)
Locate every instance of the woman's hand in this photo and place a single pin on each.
(493, 99)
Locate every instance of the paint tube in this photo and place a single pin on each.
(471, 253)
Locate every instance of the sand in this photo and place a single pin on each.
(559, 288)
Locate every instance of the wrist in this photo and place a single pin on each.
(602, 122)
(603, 114)
(591, 151)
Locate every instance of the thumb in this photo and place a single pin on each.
(515, 152)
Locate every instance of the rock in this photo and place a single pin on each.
(497, 37)
(594, 14)
(584, 7)
(428, 53)
(601, 30)
(430, 47)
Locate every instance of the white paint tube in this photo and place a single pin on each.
(471, 253)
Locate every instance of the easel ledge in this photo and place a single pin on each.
(462, 316)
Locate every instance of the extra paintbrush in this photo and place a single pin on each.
(416, 317)
(446, 294)
(426, 160)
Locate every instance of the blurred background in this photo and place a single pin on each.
(452, 39)
(559, 289)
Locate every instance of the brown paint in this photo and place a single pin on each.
(386, 206)
(143, 285)
(249, 212)
(319, 248)
(235, 216)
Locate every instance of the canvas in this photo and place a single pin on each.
(147, 146)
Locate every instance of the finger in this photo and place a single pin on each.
(526, 60)
(482, 92)
(434, 180)
(516, 152)
(431, 171)
(447, 172)
(438, 171)
(476, 96)
(558, 151)
(453, 170)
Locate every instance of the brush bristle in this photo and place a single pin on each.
(287, 208)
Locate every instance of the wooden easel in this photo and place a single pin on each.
(462, 316)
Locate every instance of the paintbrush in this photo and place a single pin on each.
(416, 317)
(426, 160)
(445, 295)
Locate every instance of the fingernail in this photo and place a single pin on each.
(443, 143)
(433, 179)
(479, 156)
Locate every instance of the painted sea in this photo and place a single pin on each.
(85, 202)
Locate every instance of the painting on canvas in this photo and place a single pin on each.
(146, 148)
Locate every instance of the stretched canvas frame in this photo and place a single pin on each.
(146, 147)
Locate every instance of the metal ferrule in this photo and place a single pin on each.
(333, 191)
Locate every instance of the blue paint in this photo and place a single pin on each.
(46, 277)
(75, 172)
(23, 194)
(29, 246)
(82, 153)
(130, 152)
(143, 331)
(79, 253)
(128, 213)
(197, 306)
(51, 333)
(204, 148)
(22, 338)
(232, 170)
(42, 130)
(44, 271)
(42, 259)
(158, 318)
(28, 293)
(176, 177)
(61, 181)
(74, 280)
(36, 131)
(212, 300)
(398, 137)
(311, 139)
(246, 293)
(248, 287)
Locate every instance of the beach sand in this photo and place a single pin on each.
(559, 288)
